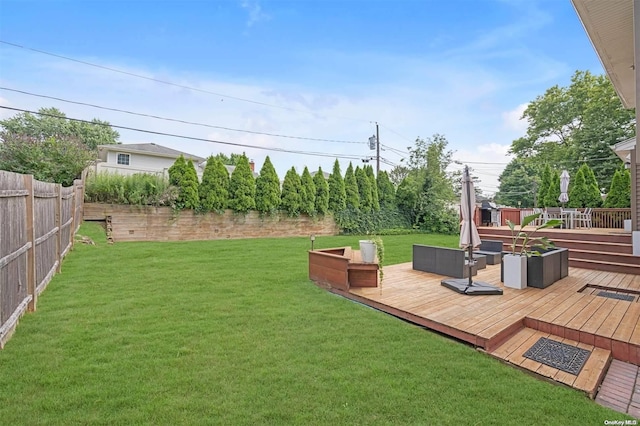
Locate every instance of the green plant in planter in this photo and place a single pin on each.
(527, 238)
(380, 252)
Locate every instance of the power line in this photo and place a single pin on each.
(317, 154)
(176, 120)
(398, 134)
(169, 83)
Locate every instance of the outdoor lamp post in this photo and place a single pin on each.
(312, 238)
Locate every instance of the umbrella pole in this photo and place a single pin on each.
(471, 218)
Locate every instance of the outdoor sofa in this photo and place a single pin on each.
(445, 261)
(492, 249)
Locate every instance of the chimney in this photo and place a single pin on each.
(252, 166)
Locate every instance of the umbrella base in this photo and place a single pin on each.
(477, 288)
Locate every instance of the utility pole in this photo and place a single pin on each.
(377, 150)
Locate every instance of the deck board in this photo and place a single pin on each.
(506, 326)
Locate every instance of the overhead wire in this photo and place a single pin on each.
(177, 120)
(170, 83)
(311, 153)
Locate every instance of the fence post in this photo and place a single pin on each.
(59, 225)
(31, 238)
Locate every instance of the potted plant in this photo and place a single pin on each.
(522, 242)
(368, 251)
(380, 254)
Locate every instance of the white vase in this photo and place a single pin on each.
(368, 251)
(515, 271)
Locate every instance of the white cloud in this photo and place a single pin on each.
(255, 12)
(512, 119)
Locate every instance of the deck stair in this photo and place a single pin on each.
(589, 378)
(610, 252)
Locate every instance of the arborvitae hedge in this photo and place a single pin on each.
(308, 193)
(386, 191)
(577, 190)
(374, 187)
(545, 183)
(351, 189)
(242, 187)
(267, 188)
(364, 190)
(553, 192)
(337, 195)
(291, 193)
(322, 192)
(189, 198)
(214, 188)
(594, 199)
(177, 170)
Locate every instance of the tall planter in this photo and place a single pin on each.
(514, 271)
(368, 251)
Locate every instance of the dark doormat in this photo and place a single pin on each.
(558, 355)
(619, 296)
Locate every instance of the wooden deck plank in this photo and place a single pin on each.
(481, 320)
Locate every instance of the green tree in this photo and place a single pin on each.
(308, 194)
(569, 125)
(53, 123)
(322, 192)
(291, 193)
(374, 187)
(177, 171)
(229, 160)
(553, 193)
(426, 194)
(351, 189)
(267, 188)
(189, 187)
(58, 160)
(593, 196)
(578, 190)
(242, 187)
(337, 194)
(386, 191)
(364, 190)
(214, 188)
(616, 197)
(517, 185)
(545, 184)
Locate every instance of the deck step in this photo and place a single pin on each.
(589, 378)
(612, 252)
(621, 268)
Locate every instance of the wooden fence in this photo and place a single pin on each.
(38, 221)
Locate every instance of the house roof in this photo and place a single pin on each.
(150, 149)
(609, 25)
(623, 149)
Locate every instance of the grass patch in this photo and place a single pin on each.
(233, 332)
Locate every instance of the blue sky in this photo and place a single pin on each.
(326, 69)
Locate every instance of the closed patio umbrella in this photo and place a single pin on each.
(469, 238)
(564, 187)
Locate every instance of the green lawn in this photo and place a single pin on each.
(233, 332)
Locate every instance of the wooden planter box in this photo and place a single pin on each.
(341, 268)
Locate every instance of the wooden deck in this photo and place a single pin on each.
(506, 326)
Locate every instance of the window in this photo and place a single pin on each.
(123, 159)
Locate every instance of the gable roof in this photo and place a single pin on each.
(149, 149)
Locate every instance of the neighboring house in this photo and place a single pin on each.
(127, 159)
(614, 30)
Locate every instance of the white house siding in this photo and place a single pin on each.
(138, 163)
